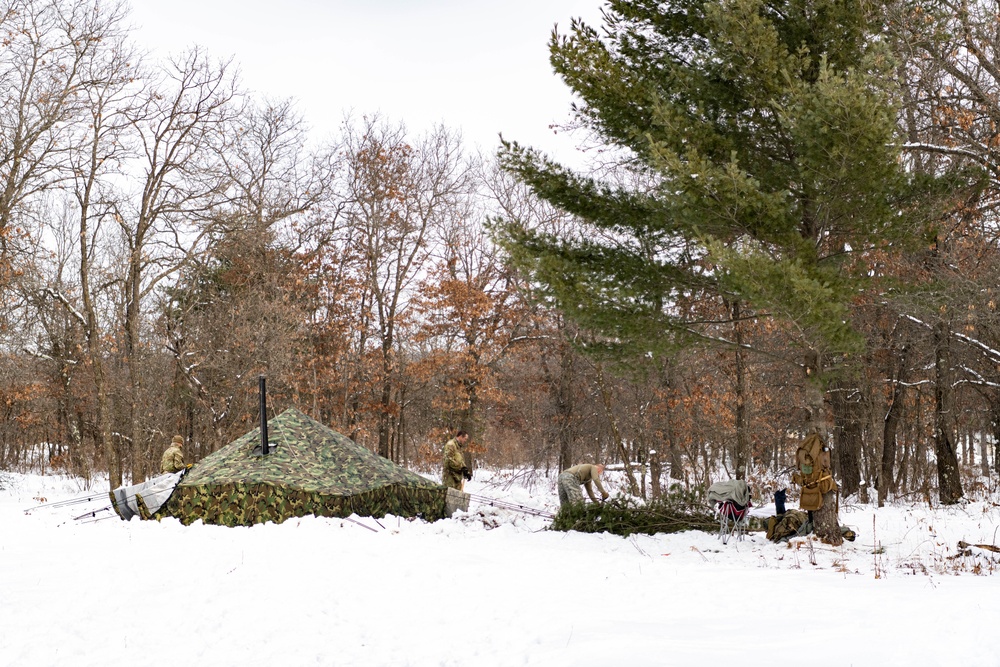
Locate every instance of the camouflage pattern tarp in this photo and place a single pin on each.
(311, 469)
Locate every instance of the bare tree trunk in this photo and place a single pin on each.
(602, 386)
(655, 470)
(385, 400)
(673, 451)
(95, 355)
(995, 430)
(564, 405)
(473, 420)
(949, 481)
(134, 378)
(984, 453)
(826, 523)
(561, 388)
(400, 436)
(890, 426)
(846, 405)
(742, 454)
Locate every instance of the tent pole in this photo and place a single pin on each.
(263, 416)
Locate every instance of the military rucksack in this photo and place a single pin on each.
(814, 473)
(786, 525)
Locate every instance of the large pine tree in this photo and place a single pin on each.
(763, 132)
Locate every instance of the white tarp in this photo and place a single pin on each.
(153, 492)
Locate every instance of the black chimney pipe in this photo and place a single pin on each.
(263, 416)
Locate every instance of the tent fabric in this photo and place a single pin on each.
(311, 469)
(144, 499)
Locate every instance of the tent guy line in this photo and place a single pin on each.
(503, 504)
(66, 503)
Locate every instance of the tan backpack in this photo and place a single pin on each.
(814, 472)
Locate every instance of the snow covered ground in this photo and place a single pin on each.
(490, 587)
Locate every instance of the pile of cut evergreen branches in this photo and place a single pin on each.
(624, 516)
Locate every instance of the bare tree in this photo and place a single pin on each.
(167, 220)
(274, 178)
(63, 67)
(395, 193)
(473, 311)
(97, 155)
(48, 56)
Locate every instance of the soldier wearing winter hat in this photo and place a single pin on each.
(173, 457)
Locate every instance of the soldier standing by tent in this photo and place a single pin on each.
(173, 457)
(454, 468)
(584, 474)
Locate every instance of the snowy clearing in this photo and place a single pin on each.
(491, 587)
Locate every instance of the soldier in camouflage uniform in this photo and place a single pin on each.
(583, 474)
(454, 469)
(173, 457)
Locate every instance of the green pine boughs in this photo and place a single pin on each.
(761, 148)
(626, 516)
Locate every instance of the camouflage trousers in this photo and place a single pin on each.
(569, 489)
(451, 478)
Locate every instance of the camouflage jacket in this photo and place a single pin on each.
(173, 459)
(451, 473)
(453, 459)
(587, 475)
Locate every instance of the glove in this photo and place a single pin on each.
(466, 473)
(604, 497)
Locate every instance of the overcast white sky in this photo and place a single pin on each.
(480, 66)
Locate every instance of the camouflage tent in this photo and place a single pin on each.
(311, 469)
